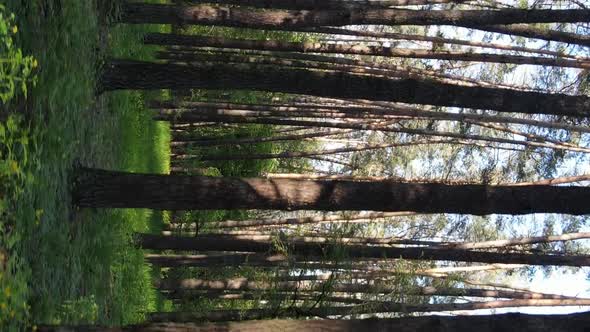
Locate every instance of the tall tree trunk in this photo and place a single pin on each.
(325, 4)
(559, 180)
(529, 31)
(357, 49)
(554, 181)
(100, 188)
(316, 238)
(304, 154)
(379, 108)
(334, 160)
(210, 260)
(435, 40)
(176, 116)
(319, 249)
(459, 138)
(242, 17)
(370, 308)
(323, 62)
(254, 140)
(309, 220)
(143, 75)
(188, 285)
(516, 322)
(517, 242)
(443, 271)
(529, 136)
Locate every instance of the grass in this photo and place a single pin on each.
(58, 264)
(65, 265)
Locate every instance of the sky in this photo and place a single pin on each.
(569, 284)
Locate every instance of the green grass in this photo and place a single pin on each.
(74, 266)
(69, 266)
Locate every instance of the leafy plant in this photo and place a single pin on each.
(16, 162)
(16, 69)
(15, 159)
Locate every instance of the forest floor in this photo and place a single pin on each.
(59, 264)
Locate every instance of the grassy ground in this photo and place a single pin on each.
(63, 265)
(59, 264)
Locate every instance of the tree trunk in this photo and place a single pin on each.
(379, 108)
(459, 138)
(370, 308)
(306, 247)
(305, 154)
(504, 322)
(185, 286)
(334, 160)
(529, 136)
(445, 270)
(332, 63)
(319, 62)
(529, 31)
(357, 49)
(176, 116)
(309, 220)
(325, 4)
(242, 17)
(203, 260)
(254, 140)
(143, 75)
(516, 322)
(517, 242)
(100, 188)
(554, 181)
(434, 40)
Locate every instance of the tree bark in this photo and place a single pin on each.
(253, 140)
(100, 188)
(517, 242)
(309, 220)
(528, 136)
(559, 180)
(305, 154)
(554, 181)
(358, 49)
(326, 62)
(144, 75)
(179, 115)
(459, 138)
(187, 285)
(379, 108)
(529, 31)
(441, 271)
(209, 260)
(370, 308)
(310, 248)
(434, 40)
(241, 17)
(325, 4)
(516, 322)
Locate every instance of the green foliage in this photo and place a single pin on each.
(16, 69)
(17, 160)
(86, 269)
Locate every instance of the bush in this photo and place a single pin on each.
(16, 69)
(16, 72)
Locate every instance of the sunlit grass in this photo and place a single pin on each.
(77, 266)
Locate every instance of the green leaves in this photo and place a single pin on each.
(14, 161)
(16, 69)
